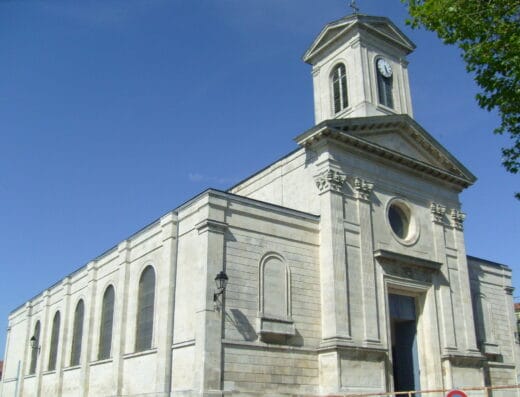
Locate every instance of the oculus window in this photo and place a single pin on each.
(399, 221)
(402, 222)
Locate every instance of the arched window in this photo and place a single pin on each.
(385, 83)
(77, 333)
(339, 88)
(35, 346)
(145, 310)
(55, 337)
(107, 321)
(274, 288)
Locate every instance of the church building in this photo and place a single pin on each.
(339, 269)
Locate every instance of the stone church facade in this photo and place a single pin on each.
(346, 265)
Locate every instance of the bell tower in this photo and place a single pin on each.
(359, 69)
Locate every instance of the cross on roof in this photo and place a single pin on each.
(354, 6)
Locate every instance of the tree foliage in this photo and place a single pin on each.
(488, 33)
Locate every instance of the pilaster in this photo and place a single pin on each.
(208, 320)
(121, 303)
(442, 281)
(457, 222)
(515, 348)
(44, 352)
(166, 300)
(335, 322)
(61, 363)
(363, 190)
(88, 327)
(26, 349)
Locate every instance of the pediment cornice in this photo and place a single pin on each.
(353, 133)
(378, 26)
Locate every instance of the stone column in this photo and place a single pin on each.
(166, 297)
(208, 318)
(335, 322)
(64, 334)
(120, 314)
(457, 221)
(371, 333)
(442, 282)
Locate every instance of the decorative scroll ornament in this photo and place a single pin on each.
(438, 211)
(363, 188)
(330, 180)
(457, 219)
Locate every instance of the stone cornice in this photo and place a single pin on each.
(394, 257)
(210, 225)
(335, 30)
(348, 131)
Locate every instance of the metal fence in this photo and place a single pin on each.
(484, 391)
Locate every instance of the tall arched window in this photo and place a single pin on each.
(385, 83)
(77, 333)
(35, 346)
(339, 88)
(55, 338)
(107, 321)
(145, 310)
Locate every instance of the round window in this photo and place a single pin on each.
(399, 221)
(402, 222)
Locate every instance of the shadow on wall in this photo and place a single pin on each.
(243, 326)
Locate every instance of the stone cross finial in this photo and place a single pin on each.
(354, 6)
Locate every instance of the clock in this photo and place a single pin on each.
(384, 67)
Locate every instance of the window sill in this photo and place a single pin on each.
(276, 326)
(343, 113)
(49, 372)
(490, 349)
(140, 354)
(101, 362)
(30, 376)
(71, 368)
(385, 109)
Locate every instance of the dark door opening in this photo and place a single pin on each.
(404, 342)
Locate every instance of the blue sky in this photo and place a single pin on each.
(113, 112)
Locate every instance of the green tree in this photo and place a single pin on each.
(488, 33)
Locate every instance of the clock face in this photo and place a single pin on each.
(384, 67)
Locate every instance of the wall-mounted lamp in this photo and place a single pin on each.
(221, 281)
(34, 343)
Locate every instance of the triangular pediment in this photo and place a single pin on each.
(400, 142)
(397, 138)
(378, 26)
